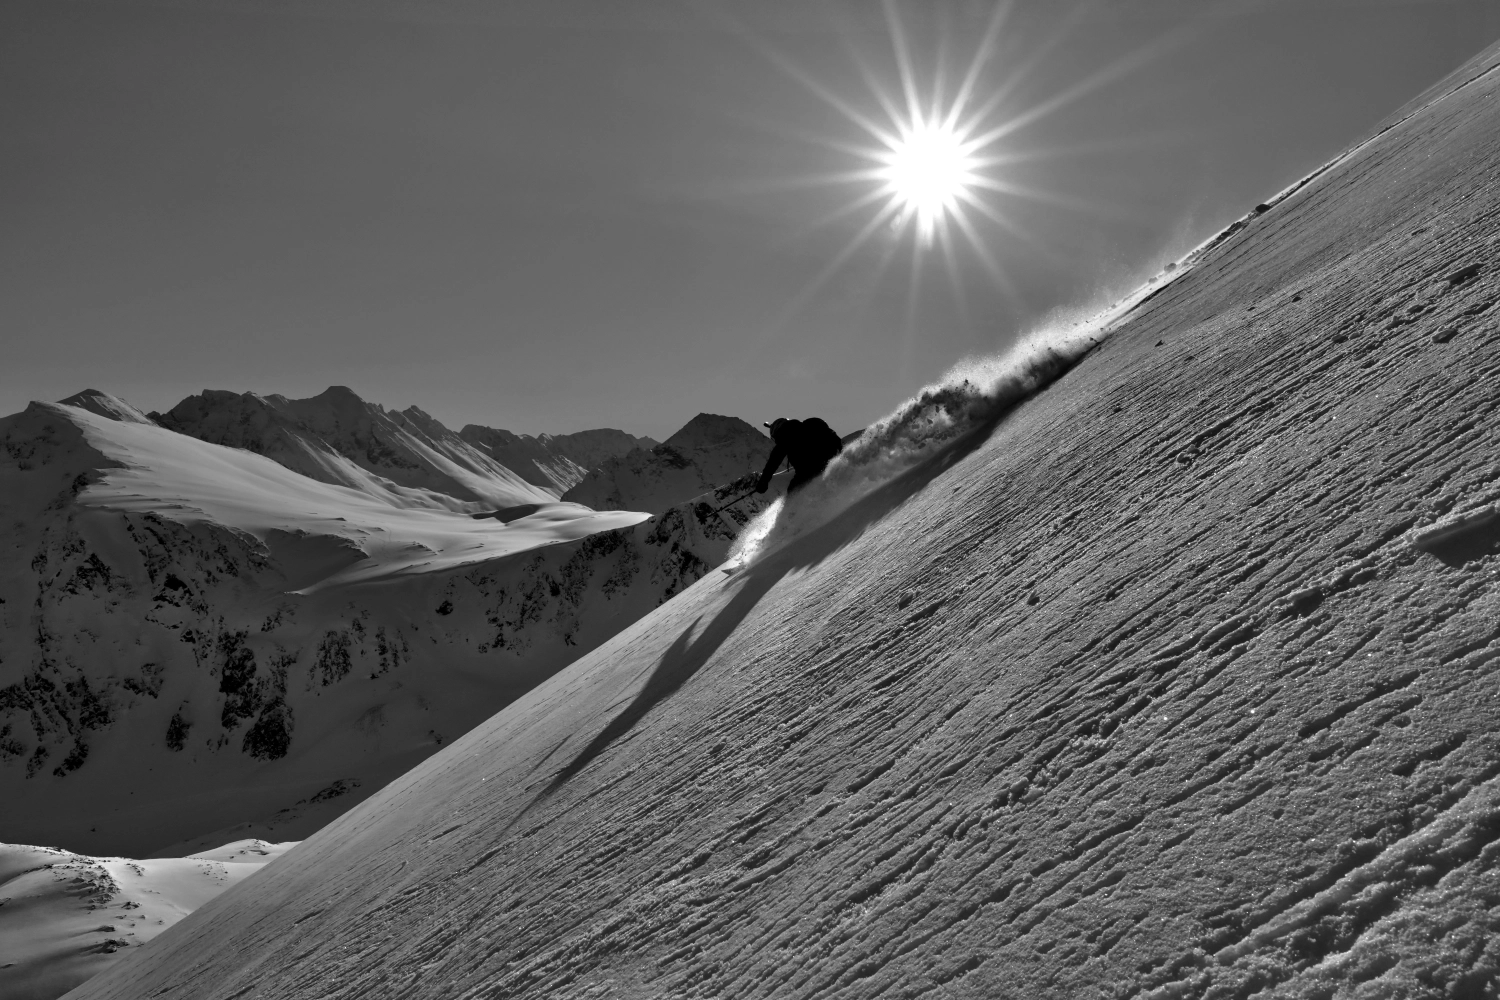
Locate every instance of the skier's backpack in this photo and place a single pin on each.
(828, 442)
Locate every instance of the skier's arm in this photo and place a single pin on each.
(778, 455)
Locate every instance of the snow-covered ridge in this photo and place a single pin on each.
(553, 461)
(406, 457)
(708, 451)
(105, 405)
(317, 534)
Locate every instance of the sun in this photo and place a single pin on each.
(928, 172)
(934, 153)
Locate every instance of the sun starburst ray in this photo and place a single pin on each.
(880, 93)
(1015, 229)
(844, 211)
(955, 280)
(982, 251)
(937, 97)
(1057, 199)
(1034, 154)
(1022, 71)
(903, 61)
(833, 143)
(796, 182)
(1109, 74)
(881, 218)
(818, 90)
(987, 45)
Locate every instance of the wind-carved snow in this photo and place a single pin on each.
(65, 917)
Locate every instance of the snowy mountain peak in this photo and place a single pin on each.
(338, 408)
(415, 416)
(105, 405)
(711, 430)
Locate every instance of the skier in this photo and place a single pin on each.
(808, 444)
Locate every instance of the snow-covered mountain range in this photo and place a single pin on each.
(709, 451)
(201, 642)
(408, 456)
(555, 462)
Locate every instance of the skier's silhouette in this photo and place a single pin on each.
(808, 444)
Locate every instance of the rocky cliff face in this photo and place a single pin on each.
(170, 665)
(1178, 679)
(556, 462)
(709, 450)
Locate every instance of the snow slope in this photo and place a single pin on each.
(198, 644)
(708, 451)
(65, 917)
(156, 471)
(1175, 680)
(401, 457)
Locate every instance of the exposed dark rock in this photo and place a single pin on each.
(177, 731)
(271, 736)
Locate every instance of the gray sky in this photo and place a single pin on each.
(547, 217)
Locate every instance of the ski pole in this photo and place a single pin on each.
(733, 502)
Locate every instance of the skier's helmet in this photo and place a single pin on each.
(777, 426)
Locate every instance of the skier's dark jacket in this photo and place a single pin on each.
(808, 444)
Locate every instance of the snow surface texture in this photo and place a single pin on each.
(1152, 690)
(708, 451)
(198, 644)
(65, 917)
